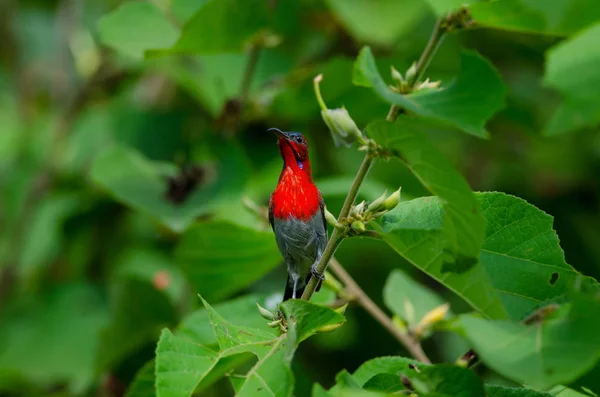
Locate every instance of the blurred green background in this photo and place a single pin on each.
(108, 157)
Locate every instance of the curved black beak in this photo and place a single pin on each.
(279, 132)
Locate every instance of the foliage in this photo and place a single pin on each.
(135, 168)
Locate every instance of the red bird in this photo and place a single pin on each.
(296, 214)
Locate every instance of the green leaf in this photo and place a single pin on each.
(135, 27)
(449, 253)
(501, 391)
(407, 298)
(556, 17)
(63, 323)
(446, 380)
(386, 383)
(571, 69)
(222, 26)
(555, 351)
(520, 240)
(380, 22)
(221, 258)
(181, 364)
(308, 317)
(143, 382)
(466, 103)
(142, 184)
(382, 365)
(242, 311)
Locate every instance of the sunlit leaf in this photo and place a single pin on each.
(445, 380)
(502, 391)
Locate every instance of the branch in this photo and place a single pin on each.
(337, 235)
(412, 345)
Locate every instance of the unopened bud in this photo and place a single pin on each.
(428, 85)
(358, 226)
(341, 309)
(266, 314)
(330, 218)
(396, 75)
(432, 317)
(331, 327)
(274, 324)
(377, 204)
(343, 129)
(391, 202)
(399, 324)
(359, 208)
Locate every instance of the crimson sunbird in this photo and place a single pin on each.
(296, 214)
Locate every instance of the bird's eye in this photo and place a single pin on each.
(298, 139)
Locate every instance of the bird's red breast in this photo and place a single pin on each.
(295, 195)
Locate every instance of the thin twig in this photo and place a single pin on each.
(412, 345)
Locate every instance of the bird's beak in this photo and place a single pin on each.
(280, 133)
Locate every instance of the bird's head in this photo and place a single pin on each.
(293, 148)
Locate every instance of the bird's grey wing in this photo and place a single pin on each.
(271, 216)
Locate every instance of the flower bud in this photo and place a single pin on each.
(266, 314)
(377, 204)
(359, 208)
(343, 129)
(331, 219)
(331, 327)
(358, 226)
(411, 73)
(396, 75)
(391, 202)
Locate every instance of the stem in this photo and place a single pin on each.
(412, 345)
(434, 42)
(337, 235)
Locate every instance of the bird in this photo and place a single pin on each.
(296, 214)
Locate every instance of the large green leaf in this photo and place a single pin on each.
(379, 22)
(142, 384)
(142, 184)
(520, 241)
(466, 103)
(554, 351)
(135, 27)
(221, 258)
(407, 298)
(443, 7)
(571, 68)
(181, 365)
(556, 17)
(222, 26)
(448, 253)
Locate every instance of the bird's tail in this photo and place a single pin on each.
(289, 288)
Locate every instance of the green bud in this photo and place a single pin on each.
(343, 129)
(391, 202)
(359, 208)
(266, 314)
(358, 226)
(330, 218)
(275, 324)
(377, 204)
(396, 75)
(331, 327)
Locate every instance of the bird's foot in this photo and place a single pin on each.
(315, 273)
